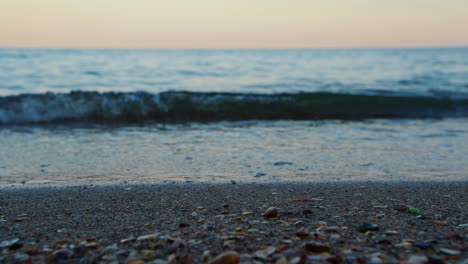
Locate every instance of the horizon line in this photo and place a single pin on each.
(241, 48)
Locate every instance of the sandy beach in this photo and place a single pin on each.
(359, 222)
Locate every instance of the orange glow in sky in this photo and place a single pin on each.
(233, 23)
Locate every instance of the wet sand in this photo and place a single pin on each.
(416, 222)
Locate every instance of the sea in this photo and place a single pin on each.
(83, 116)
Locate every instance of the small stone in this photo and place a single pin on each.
(337, 259)
(183, 225)
(435, 260)
(380, 206)
(321, 223)
(92, 245)
(21, 219)
(271, 212)
(401, 207)
(282, 163)
(366, 227)
(375, 260)
(110, 249)
(147, 237)
(246, 213)
(391, 233)
(332, 229)
(316, 247)
(229, 257)
(439, 223)
(8, 243)
(22, 258)
(138, 261)
(127, 240)
(415, 259)
(302, 234)
(307, 212)
(298, 223)
(282, 260)
(260, 174)
(423, 244)
(385, 242)
(62, 255)
(452, 252)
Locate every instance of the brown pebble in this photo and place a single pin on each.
(401, 207)
(335, 259)
(439, 223)
(21, 219)
(137, 262)
(228, 257)
(271, 212)
(316, 247)
(282, 260)
(91, 245)
(307, 212)
(302, 234)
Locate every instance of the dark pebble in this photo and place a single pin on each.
(365, 227)
(423, 245)
(316, 247)
(260, 174)
(335, 259)
(435, 260)
(307, 212)
(282, 163)
(401, 207)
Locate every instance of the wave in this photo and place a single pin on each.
(174, 106)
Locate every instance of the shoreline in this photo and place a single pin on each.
(319, 222)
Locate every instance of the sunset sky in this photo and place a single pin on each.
(233, 24)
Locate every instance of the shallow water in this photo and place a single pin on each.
(260, 151)
(78, 116)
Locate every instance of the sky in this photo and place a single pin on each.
(225, 24)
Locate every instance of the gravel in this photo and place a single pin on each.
(364, 222)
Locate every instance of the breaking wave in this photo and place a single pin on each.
(176, 106)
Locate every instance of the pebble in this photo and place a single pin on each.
(401, 207)
(271, 212)
(391, 233)
(298, 223)
(316, 247)
(415, 259)
(452, 252)
(321, 223)
(282, 163)
(375, 260)
(332, 229)
(366, 227)
(439, 223)
(423, 244)
(260, 174)
(302, 234)
(8, 243)
(307, 212)
(229, 257)
(22, 258)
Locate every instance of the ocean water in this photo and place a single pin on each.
(113, 116)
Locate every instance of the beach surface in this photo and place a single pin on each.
(354, 222)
